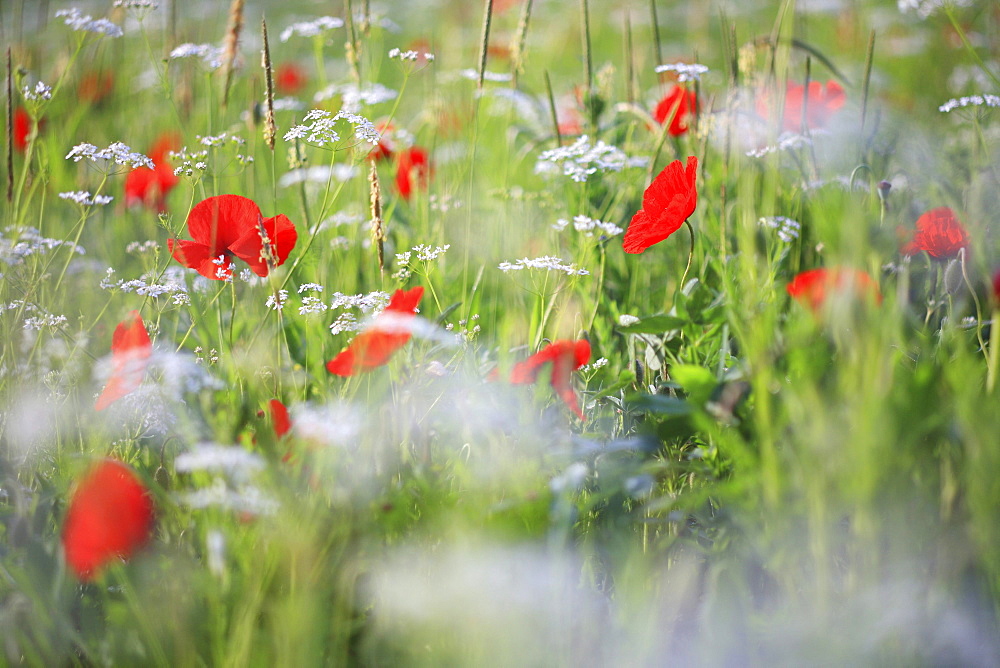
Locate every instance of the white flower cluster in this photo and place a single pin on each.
(77, 21)
(321, 129)
(595, 365)
(277, 302)
(46, 321)
(29, 241)
(117, 152)
(141, 247)
(311, 28)
(191, 161)
(366, 303)
(788, 229)
(787, 141)
(423, 252)
(411, 56)
(137, 4)
(589, 226)
(546, 263)
(497, 77)
(924, 8)
(288, 104)
(318, 174)
(232, 460)
(171, 283)
(219, 139)
(444, 203)
(581, 159)
(353, 97)
(685, 71)
(208, 54)
(43, 320)
(84, 198)
(245, 499)
(337, 424)
(970, 101)
(40, 92)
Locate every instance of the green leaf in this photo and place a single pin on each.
(698, 382)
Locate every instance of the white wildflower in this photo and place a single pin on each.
(117, 152)
(498, 77)
(787, 229)
(86, 23)
(589, 226)
(685, 71)
(231, 460)
(277, 302)
(545, 263)
(210, 55)
(40, 92)
(84, 198)
(970, 101)
(322, 131)
(354, 97)
(311, 28)
(581, 159)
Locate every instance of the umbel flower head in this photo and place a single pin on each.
(939, 234)
(230, 225)
(110, 516)
(389, 332)
(668, 201)
(565, 357)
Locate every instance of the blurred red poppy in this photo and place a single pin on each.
(289, 78)
(678, 106)
(95, 87)
(566, 357)
(130, 352)
(939, 234)
(386, 146)
(22, 127)
(388, 333)
(150, 187)
(668, 201)
(821, 103)
(413, 170)
(230, 225)
(812, 287)
(110, 516)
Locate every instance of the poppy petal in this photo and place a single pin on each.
(200, 257)
(109, 516)
(376, 345)
(130, 352)
(219, 221)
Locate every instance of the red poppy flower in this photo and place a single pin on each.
(388, 333)
(289, 78)
(668, 201)
(812, 287)
(150, 187)
(22, 127)
(822, 102)
(939, 234)
(412, 170)
(229, 225)
(386, 146)
(678, 106)
(565, 357)
(110, 516)
(130, 351)
(95, 87)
